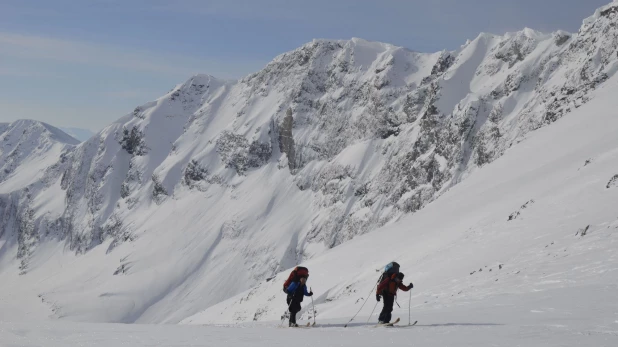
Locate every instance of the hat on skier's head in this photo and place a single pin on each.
(400, 275)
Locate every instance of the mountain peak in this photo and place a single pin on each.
(202, 81)
(527, 33)
(27, 149)
(23, 125)
(602, 12)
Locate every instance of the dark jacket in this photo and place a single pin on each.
(297, 292)
(389, 286)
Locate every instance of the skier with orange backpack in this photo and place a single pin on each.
(296, 289)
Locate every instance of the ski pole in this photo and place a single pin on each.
(283, 317)
(374, 287)
(409, 305)
(312, 305)
(374, 308)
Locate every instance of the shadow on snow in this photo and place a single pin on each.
(399, 325)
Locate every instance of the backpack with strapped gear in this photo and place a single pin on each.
(386, 285)
(295, 276)
(389, 270)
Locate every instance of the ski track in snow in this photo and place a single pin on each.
(451, 327)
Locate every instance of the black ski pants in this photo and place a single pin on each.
(294, 304)
(385, 315)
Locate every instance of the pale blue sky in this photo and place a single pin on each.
(86, 63)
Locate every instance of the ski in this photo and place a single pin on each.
(413, 324)
(388, 324)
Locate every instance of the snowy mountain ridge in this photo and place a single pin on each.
(25, 145)
(328, 142)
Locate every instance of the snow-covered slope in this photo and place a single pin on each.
(218, 185)
(539, 222)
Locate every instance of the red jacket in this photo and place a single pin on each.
(390, 286)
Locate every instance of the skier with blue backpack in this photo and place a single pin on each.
(390, 281)
(387, 286)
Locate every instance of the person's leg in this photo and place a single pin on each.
(383, 312)
(293, 317)
(294, 309)
(292, 314)
(385, 315)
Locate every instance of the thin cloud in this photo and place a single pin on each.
(19, 9)
(238, 9)
(298, 12)
(130, 94)
(46, 48)
(17, 72)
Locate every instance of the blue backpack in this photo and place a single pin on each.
(389, 270)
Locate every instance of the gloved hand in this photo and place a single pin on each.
(410, 286)
(310, 294)
(377, 297)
